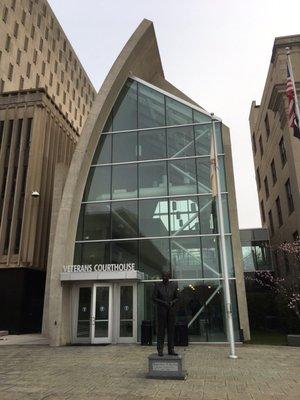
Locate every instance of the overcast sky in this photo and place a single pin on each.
(216, 51)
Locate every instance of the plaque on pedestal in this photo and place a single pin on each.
(166, 367)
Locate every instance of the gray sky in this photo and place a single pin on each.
(215, 51)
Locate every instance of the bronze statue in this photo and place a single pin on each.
(165, 295)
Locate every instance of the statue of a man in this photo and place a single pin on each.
(165, 295)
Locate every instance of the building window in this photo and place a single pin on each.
(51, 79)
(55, 66)
(13, 4)
(7, 43)
(289, 196)
(30, 7)
(57, 89)
(282, 151)
(26, 43)
(32, 33)
(261, 146)
(295, 236)
(16, 30)
(279, 213)
(48, 56)
(5, 14)
(254, 143)
(44, 10)
(46, 33)
(21, 84)
(62, 76)
(28, 70)
(37, 81)
(43, 68)
(34, 56)
(39, 20)
(18, 60)
(266, 187)
(2, 83)
(267, 125)
(53, 45)
(10, 71)
(258, 178)
(41, 44)
(273, 170)
(65, 45)
(60, 56)
(262, 209)
(271, 223)
(23, 18)
(64, 98)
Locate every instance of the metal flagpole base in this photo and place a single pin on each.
(233, 357)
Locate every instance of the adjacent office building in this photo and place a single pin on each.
(45, 97)
(137, 201)
(276, 151)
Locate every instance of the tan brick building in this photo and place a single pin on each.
(45, 97)
(276, 151)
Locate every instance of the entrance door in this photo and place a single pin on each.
(105, 313)
(101, 320)
(126, 314)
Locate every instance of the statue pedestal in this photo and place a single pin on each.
(166, 367)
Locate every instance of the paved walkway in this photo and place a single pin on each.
(34, 338)
(118, 373)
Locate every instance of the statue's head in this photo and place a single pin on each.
(166, 276)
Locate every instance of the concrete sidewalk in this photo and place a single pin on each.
(117, 372)
(30, 339)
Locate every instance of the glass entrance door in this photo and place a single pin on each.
(105, 313)
(126, 315)
(102, 314)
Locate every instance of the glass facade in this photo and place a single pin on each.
(148, 200)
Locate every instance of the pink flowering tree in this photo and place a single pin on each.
(284, 284)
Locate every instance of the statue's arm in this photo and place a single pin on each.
(176, 295)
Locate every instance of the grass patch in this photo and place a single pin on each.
(269, 338)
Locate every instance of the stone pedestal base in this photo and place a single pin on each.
(293, 340)
(166, 367)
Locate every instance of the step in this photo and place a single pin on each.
(3, 333)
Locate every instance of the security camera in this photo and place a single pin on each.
(35, 193)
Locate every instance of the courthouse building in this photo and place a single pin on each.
(45, 96)
(137, 201)
(276, 151)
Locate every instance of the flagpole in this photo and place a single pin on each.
(293, 82)
(224, 264)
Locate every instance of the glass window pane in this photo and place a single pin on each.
(126, 302)
(210, 256)
(153, 218)
(126, 329)
(96, 221)
(152, 144)
(125, 109)
(84, 312)
(181, 142)
(218, 129)
(98, 184)
(124, 219)
(77, 254)
(186, 258)
(225, 213)
(200, 117)
(222, 174)
(151, 107)
(182, 176)
(208, 216)
(203, 139)
(95, 253)
(229, 256)
(124, 181)
(152, 179)
(103, 151)
(124, 146)
(154, 257)
(203, 174)
(124, 252)
(178, 113)
(184, 217)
